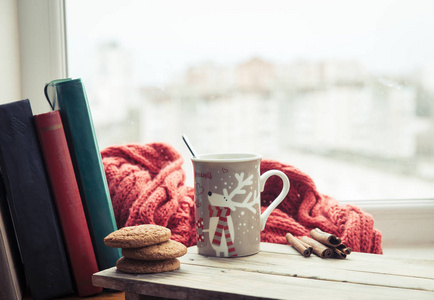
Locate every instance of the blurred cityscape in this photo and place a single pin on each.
(358, 134)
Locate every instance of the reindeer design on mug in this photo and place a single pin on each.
(221, 227)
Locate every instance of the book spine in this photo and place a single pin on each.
(31, 205)
(86, 157)
(68, 201)
(11, 276)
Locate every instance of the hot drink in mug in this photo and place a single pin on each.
(227, 198)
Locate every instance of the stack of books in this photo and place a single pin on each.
(54, 200)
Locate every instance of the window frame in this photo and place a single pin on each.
(43, 52)
(42, 39)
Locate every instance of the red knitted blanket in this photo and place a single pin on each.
(147, 186)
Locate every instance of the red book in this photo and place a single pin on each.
(68, 201)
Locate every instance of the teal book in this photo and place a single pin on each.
(69, 96)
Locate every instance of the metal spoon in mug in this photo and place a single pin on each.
(189, 145)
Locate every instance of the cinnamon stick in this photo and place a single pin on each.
(306, 251)
(325, 238)
(338, 253)
(319, 249)
(304, 243)
(343, 248)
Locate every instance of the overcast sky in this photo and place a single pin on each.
(166, 36)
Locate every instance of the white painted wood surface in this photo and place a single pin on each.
(280, 272)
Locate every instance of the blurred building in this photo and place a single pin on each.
(113, 96)
(329, 108)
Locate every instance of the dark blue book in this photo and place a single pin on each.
(31, 205)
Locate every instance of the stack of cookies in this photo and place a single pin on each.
(146, 249)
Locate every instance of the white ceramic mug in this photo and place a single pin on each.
(227, 198)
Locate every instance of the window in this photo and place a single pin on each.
(340, 89)
(344, 92)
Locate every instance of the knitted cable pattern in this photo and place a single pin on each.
(147, 186)
(304, 209)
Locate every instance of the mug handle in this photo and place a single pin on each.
(282, 195)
